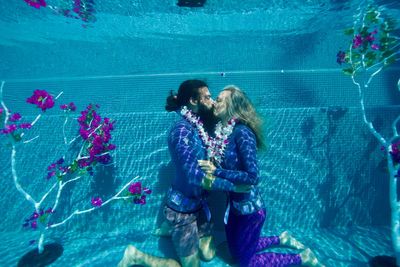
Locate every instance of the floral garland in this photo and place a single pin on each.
(221, 138)
(215, 146)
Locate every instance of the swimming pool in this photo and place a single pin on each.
(323, 177)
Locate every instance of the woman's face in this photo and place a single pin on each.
(221, 104)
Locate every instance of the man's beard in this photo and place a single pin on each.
(209, 119)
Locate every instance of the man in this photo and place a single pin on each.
(186, 205)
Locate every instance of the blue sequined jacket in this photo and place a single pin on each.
(239, 166)
(186, 148)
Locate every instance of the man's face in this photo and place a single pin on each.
(205, 99)
(205, 105)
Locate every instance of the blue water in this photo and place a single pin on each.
(323, 177)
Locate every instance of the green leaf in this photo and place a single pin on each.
(364, 31)
(348, 71)
(17, 137)
(369, 63)
(372, 16)
(390, 60)
(73, 166)
(387, 53)
(371, 55)
(355, 56)
(349, 31)
(43, 218)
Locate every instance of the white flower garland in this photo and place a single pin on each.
(215, 146)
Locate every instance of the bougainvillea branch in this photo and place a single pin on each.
(78, 212)
(372, 48)
(95, 133)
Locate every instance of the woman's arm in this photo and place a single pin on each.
(247, 155)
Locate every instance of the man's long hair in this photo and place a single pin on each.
(187, 90)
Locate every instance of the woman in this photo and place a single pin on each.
(237, 138)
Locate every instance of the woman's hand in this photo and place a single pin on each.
(207, 166)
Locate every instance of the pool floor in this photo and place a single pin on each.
(344, 247)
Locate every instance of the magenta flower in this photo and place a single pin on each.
(135, 188)
(50, 174)
(36, 3)
(147, 190)
(340, 57)
(15, 117)
(34, 225)
(25, 126)
(97, 202)
(357, 41)
(9, 129)
(42, 99)
(34, 216)
(1, 111)
(49, 210)
(142, 200)
(70, 107)
(111, 147)
(374, 47)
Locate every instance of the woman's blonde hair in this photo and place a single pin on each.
(238, 105)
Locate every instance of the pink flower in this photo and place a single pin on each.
(15, 117)
(341, 57)
(25, 126)
(97, 202)
(49, 210)
(147, 190)
(375, 46)
(36, 3)
(111, 147)
(42, 99)
(34, 224)
(50, 174)
(9, 129)
(135, 188)
(72, 106)
(357, 41)
(142, 200)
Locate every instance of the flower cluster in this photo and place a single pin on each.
(215, 146)
(395, 152)
(36, 217)
(36, 3)
(68, 107)
(371, 43)
(97, 133)
(59, 169)
(138, 193)
(42, 99)
(97, 202)
(16, 126)
(85, 10)
(79, 9)
(134, 192)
